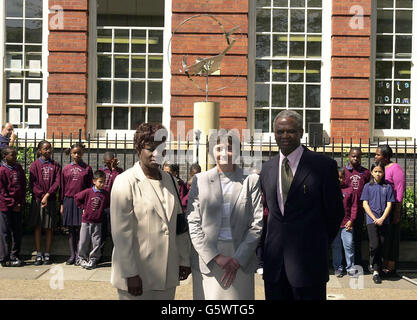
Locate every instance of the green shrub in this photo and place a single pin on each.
(408, 222)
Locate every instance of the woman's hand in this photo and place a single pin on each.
(231, 265)
(44, 201)
(62, 209)
(134, 286)
(184, 272)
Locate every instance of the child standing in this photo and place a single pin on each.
(93, 201)
(111, 170)
(377, 199)
(344, 239)
(75, 177)
(44, 180)
(12, 199)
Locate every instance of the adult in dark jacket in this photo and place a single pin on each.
(305, 205)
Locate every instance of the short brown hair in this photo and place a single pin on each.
(145, 133)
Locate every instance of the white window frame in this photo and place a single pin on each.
(325, 105)
(92, 70)
(395, 133)
(30, 133)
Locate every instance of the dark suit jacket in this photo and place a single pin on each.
(299, 240)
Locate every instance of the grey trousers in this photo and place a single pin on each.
(90, 233)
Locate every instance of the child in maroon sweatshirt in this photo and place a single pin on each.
(93, 201)
(12, 199)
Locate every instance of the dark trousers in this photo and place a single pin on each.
(282, 290)
(74, 239)
(105, 228)
(392, 243)
(377, 235)
(357, 237)
(10, 225)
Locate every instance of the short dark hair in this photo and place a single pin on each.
(40, 144)
(75, 145)
(386, 151)
(221, 135)
(99, 174)
(355, 149)
(145, 133)
(6, 150)
(109, 155)
(195, 167)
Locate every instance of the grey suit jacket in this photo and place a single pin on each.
(204, 210)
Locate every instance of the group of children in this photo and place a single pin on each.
(364, 192)
(84, 204)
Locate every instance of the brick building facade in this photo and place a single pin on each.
(103, 68)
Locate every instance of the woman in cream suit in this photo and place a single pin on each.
(149, 258)
(225, 222)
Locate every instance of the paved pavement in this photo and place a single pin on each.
(61, 282)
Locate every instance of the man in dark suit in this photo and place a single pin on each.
(305, 205)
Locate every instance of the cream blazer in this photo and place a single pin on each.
(144, 234)
(204, 209)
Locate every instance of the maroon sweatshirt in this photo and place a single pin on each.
(93, 202)
(110, 177)
(350, 204)
(45, 177)
(75, 178)
(12, 186)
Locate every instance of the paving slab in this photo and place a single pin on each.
(101, 274)
(23, 273)
(68, 273)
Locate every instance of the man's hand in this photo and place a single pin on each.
(134, 286)
(184, 272)
(12, 139)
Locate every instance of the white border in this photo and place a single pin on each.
(2, 75)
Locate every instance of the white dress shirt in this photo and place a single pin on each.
(293, 160)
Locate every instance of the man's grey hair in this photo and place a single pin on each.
(290, 114)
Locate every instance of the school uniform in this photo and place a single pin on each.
(44, 177)
(12, 193)
(93, 202)
(111, 175)
(74, 178)
(377, 196)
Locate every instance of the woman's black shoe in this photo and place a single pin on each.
(70, 261)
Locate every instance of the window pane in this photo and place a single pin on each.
(296, 96)
(262, 70)
(263, 20)
(263, 45)
(382, 117)
(404, 3)
(280, 21)
(121, 90)
(296, 71)
(383, 92)
(280, 3)
(384, 45)
(403, 46)
(155, 115)
(17, 114)
(385, 3)
(14, 8)
(33, 116)
(14, 57)
(154, 92)
(138, 66)
(263, 3)
(314, 21)
(383, 69)
(121, 66)
(312, 96)
(262, 95)
(33, 9)
(279, 71)
(104, 40)
(137, 92)
(297, 45)
(104, 116)
(312, 116)
(138, 41)
(14, 91)
(14, 30)
(262, 120)
(156, 41)
(155, 64)
(121, 40)
(402, 117)
(280, 45)
(33, 91)
(279, 96)
(103, 91)
(314, 46)
(137, 117)
(313, 71)
(121, 118)
(402, 92)
(297, 3)
(104, 66)
(33, 31)
(314, 3)
(297, 21)
(402, 70)
(33, 59)
(403, 21)
(385, 21)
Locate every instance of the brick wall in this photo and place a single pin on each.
(351, 71)
(203, 37)
(67, 66)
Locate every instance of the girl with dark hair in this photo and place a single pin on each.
(394, 175)
(76, 176)
(44, 181)
(377, 200)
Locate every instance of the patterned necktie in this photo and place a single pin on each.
(286, 179)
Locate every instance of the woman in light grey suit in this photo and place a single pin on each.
(149, 257)
(225, 223)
